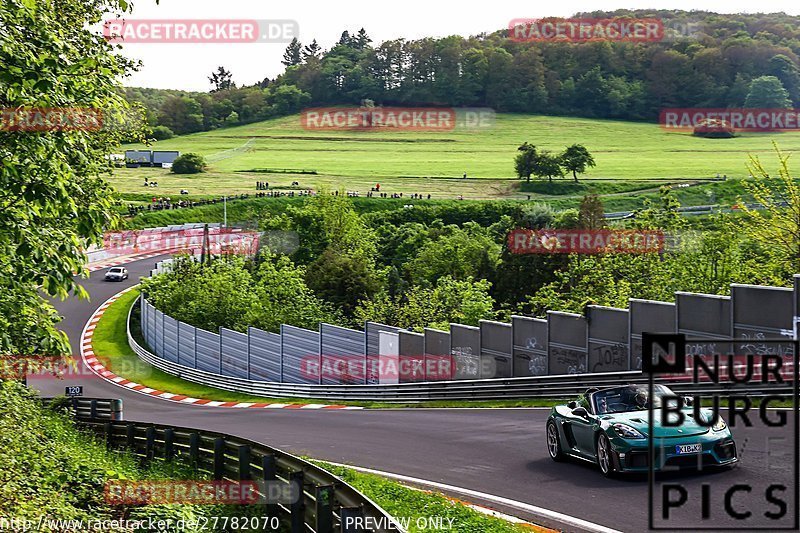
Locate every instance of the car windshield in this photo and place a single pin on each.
(116, 271)
(628, 398)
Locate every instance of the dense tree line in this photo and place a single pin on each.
(171, 112)
(713, 66)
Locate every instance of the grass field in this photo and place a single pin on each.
(433, 162)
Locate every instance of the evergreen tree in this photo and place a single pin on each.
(312, 50)
(361, 40)
(292, 56)
(221, 80)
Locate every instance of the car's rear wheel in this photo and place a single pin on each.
(604, 455)
(553, 442)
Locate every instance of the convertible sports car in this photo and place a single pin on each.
(609, 426)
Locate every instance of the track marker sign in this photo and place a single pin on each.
(701, 479)
(73, 391)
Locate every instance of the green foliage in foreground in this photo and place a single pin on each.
(54, 201)
(409, 505)
(53, 470)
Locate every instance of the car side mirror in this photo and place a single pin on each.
(581, 412)
(688, 401)
(572, 404)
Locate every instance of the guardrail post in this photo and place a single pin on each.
(219, 458)
(116, 409)
(169, 444)
(298, 507)
(108, 429)
(244, 463)
(130, 437)
(324, 508)
(194, 449)
(150, 443)
(269, 476)
(351, 518)
(93, 409)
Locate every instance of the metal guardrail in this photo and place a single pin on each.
(326, 503)
(555, 387)
(91, 408)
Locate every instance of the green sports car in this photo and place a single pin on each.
(609, 426)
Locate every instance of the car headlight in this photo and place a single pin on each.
(719, 425)
(627, 432)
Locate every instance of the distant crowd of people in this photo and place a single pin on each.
(375, 194)
(162, 203)
(290, 194)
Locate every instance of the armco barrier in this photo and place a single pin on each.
(561, 386)
(607, 340)
(90, 408)
(326, 500)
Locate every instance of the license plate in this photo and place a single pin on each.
(688, 449)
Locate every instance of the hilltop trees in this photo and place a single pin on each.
(221, 79)
(723, 62)
(292, 56)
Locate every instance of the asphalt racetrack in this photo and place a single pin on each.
(498, 452)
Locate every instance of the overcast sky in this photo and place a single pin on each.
(187, 66)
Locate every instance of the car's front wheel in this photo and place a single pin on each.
(554, 443)
(604, 455)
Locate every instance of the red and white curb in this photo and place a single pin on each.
(127, 259)
(92, 362)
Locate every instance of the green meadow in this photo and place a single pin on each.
(280, 151)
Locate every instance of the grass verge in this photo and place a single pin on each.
(414, 508)
(54, 475)
(110, 345)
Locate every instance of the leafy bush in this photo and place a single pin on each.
(162, 133)
(234, 293)
(189, 164)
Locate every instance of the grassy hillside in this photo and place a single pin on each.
(434, 162)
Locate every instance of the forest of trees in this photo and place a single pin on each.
(713, 67)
